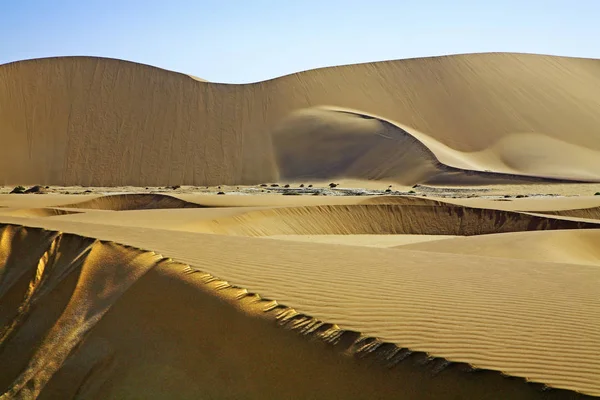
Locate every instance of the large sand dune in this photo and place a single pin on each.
(95, 121)
(533, 320)
(294, 289)
(572, 246)
(385, 219)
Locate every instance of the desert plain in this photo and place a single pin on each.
(412, 229)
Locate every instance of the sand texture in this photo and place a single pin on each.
(106, 122)
(410, 310)
(413, 229)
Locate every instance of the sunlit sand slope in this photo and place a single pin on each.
(588, 213)
(572, 246)
(81, 318)
(533, 320)
(94, 121)
(385, 219)
(344, 143)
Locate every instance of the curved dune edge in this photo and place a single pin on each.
(136, 201)
(455, 167)
(165, 128)
(588, 213)
(55, 352)
(347, 143)
(385, 219)
(575, 246)
(37, 212)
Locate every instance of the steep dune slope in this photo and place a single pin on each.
(93, 121)
(445, 305)
(384, 219)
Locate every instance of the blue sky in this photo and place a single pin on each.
(241, 41)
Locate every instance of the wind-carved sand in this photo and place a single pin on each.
(455, 275)
(508, 113)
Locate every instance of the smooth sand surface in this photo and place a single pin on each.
(363, 240)
(573, 246)
(522, 114)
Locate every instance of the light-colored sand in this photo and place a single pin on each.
(573, 246)
(94, 317)
(35, 212)
(88, 328)
(363, 240)
(112, 122)
(529, 319)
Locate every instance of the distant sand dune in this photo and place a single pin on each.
(35, 212)
(104, 122)
(385, 219)
(351, 144)
(588, 213)
(124, 202)
(572, 246)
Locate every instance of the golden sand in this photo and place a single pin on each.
(445, 285)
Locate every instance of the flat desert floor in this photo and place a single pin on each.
(411, 229)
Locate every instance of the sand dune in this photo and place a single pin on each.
(588, 213)
(351, 144)
(164, 289)
(434, 312)
(363, 240)
(35, 212)
(385, 219)
(125, 202)
(572, 247)
(95, 121)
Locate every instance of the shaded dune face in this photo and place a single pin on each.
(326, 143)
(128, 202)
(102, 122)
(339, 144)
(79, 320)
(386, 219)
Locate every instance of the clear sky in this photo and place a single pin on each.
(241, 41)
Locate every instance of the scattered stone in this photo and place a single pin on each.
(221, 193)
(18, 190)
(37, 189)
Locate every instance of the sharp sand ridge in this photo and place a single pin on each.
(378, 209)
(81, 321)
(516, 303)
(105, 122)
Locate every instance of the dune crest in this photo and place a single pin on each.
(384, 219)
(93, 305)
(104, 122)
